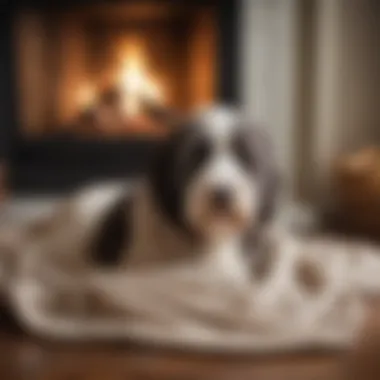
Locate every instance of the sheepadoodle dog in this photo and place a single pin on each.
(206, 203)
(209, 191)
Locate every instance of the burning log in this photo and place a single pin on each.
(108, 116)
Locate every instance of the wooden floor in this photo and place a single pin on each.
(22, 357)
(25, 358)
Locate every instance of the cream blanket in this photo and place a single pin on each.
(303, 293)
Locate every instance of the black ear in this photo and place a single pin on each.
(113, 235)
(164, 176)
(271, 190)
(269, 173)
(266, 167)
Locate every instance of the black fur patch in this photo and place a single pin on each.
(243, 151)
(114, 235)
(256, 146)
(197, 154)
(168, 178)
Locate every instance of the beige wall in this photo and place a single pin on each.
(268, 66)
(310, 71)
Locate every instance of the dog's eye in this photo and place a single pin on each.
(197, 154)
(243, 152)
(200, 152)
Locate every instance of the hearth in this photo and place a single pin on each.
(78, 79)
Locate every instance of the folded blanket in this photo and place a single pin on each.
(303, 293)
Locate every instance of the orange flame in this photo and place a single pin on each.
(136, 82)
(133, 78)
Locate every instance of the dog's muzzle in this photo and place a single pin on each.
(221, 199)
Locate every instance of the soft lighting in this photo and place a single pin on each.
(133, 79)
(137, 84)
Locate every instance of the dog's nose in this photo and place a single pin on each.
(221, 198)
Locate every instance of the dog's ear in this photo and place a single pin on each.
(271, 183)
(268, 170)
(164, 177)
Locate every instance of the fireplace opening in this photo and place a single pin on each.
(92, 70)
(79, 75)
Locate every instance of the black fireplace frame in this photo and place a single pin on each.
(57, 165)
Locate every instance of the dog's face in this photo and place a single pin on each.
(214, 176)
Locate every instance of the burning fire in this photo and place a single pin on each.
(137, 84)
(134, 81)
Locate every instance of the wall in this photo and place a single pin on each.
(310, 73)
(268, 65)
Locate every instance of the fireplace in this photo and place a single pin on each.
(83, 75)
(97, 65)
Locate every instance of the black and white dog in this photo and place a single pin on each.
(209, 192)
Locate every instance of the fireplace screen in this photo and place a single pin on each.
(93, 70)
